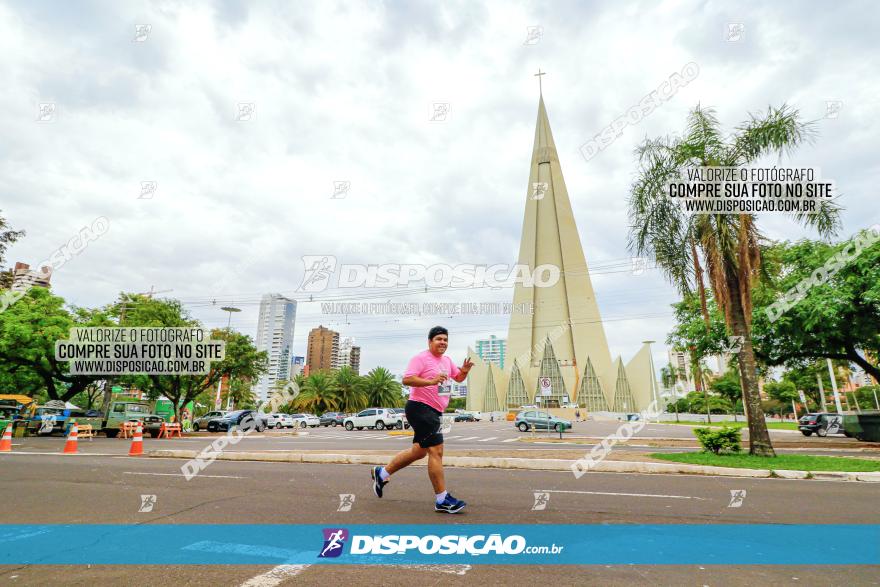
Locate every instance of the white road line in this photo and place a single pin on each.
(451, 569)
(510, 440)
(470, 438)
(487, 439)
(451, 437)
(622, 494)
(275, 576)
(182, 475)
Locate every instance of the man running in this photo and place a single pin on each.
(424, 411)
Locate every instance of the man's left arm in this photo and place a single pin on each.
(463, 370)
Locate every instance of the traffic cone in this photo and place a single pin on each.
(137, 443)
(6, 443)
(70, 445)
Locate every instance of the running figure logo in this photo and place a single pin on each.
(334, 542)
(48, 423)
(737, 497)
(147, 503)
(318, 269)
(346, 501)
(541, 500)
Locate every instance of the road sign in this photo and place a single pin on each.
(546, 386)
(803, 398)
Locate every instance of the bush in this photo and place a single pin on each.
(725, 438)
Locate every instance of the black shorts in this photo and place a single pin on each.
(426, 423)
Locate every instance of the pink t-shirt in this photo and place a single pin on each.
(426, 365)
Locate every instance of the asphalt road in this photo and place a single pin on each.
(46, 488)
(463, 435)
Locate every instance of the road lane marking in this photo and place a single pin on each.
(469, 438)
(510, 440)
(182, 475)
(487, 439)
(621, 494)
(275, 576)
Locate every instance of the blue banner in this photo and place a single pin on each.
(583, 544)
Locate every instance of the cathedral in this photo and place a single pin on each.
(559, 352)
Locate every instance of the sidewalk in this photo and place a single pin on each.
(609, 465)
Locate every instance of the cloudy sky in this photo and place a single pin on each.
(345, 92)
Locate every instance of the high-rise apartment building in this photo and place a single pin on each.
(23, 278)
(491, 350)
(323, 350)
(275, 336)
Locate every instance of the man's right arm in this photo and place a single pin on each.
(415, 381)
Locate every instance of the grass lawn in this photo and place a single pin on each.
(786, 461)
(741, 424)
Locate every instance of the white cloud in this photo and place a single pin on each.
(343, 91)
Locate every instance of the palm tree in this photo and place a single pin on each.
(240, 392)
(350, 392)
(382, 389)
(727, 245)
(317, 394)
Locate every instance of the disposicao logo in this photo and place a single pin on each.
(334, 542)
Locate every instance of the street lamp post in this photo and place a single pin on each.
(231, 310)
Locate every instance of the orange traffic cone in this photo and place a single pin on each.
(137, 443)
(6, 443)
(70, 445)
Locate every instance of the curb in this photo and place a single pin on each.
(528, 464)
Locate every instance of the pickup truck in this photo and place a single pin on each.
(128, 411)
(378, 418)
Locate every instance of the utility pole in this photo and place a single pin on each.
(834, 387)
(821, 393)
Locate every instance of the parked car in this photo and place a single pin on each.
(201, 423)
(525, 421)
(280, 421)
(303, 420)
(378, 418)
(332, 419)
(244, 419)
(821, 423)
(404, 423)
(464, 417)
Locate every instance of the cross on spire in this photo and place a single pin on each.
(538, 75)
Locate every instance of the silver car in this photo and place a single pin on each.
(201, 423)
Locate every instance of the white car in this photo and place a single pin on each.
(378, 418)
(303, 420)
(279, 421)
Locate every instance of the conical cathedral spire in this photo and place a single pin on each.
(563, 339)
(565, 309)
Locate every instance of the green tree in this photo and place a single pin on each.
(240, 392)
(382, 389)
(28, 331)
(317, 394)
(242, 360)
(839, 318)
(781, 391)
(350, 393)
(727, 245)
(668, 376)
(728, 386)
(806, 378)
